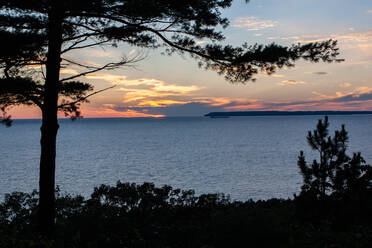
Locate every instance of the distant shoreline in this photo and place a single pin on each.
(283, 113)
(231, 114)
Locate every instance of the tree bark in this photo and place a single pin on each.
(50, 125)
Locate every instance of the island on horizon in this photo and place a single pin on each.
(283, 113)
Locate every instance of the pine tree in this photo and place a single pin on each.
(39, 33)
(335, 173)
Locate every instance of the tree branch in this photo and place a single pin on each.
(79, 64)
(73, 46)
(84, 97)
(109, 66)
(35, 100)
(105, 67)
(163, 38)
(82, 36)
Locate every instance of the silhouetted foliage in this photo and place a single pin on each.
(337, 189)
(335, 173)
(130, 215)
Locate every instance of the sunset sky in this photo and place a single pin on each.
(175, 86)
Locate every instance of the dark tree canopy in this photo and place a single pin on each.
(174, 25)
(335, 173)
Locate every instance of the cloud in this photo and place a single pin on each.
(109, 105)
(187, 109)
(148, 97)
(345, 85)
(320, 73)
(360, 94)
(114, 79)
(68, 71)
(291, 82)
(290, 38)
(277, 75)
(196, 106)
(356, 36)
(153, 84)
(363, 90)
(273, 38)
(112, 112)
(148, 92)
(351, 40)
(252, 23)
(361, 41)
(219, 101)
(358, 99)
(160, 103)
(363, 93)
(91, 63)
(159, 91)
(369, 11)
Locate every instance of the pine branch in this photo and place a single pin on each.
(79, 64)
(74, 45)
(83, 98)
(109, 66)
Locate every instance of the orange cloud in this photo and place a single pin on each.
(148, 91)
(68, 71)
(160, 103)
(276, 75)
(109, 105)
(109, 112)
(345, 85)
(355, 93)
(363, 90)
(154, 84)
(219, 101)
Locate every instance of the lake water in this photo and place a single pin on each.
(245, 157)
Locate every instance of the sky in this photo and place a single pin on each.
(161, 86)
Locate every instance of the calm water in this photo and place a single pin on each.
(246, 157)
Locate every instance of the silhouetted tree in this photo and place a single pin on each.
(335, 173)
(38, 33)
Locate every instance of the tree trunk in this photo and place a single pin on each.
(49, 130)
(50, 126)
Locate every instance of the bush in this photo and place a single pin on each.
(131, 215)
